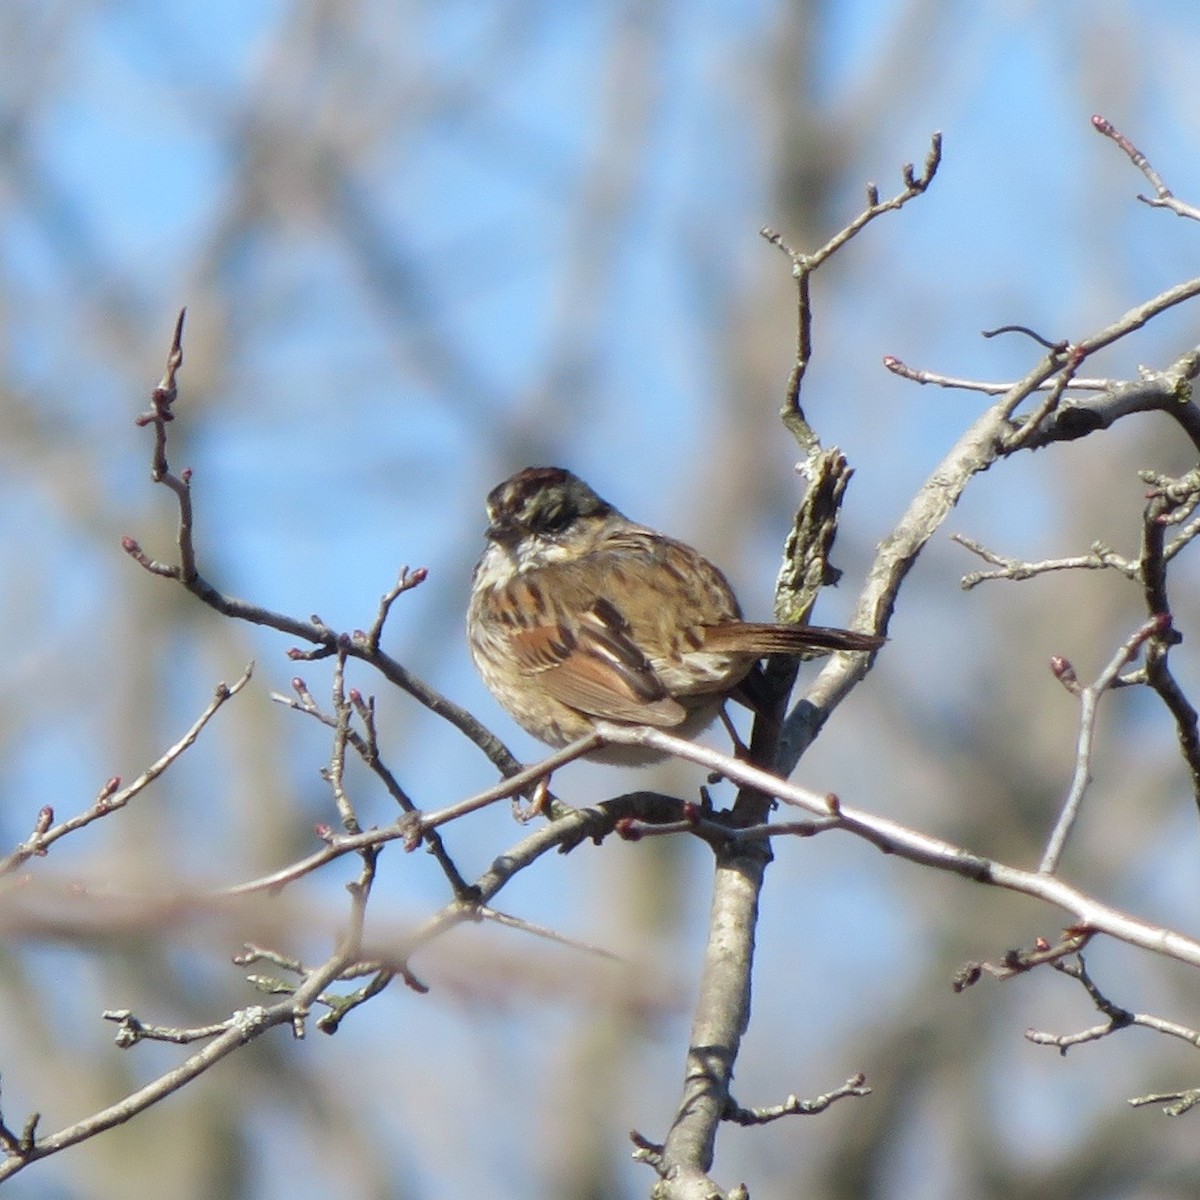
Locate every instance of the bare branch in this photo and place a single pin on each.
(1020, 962)
(1089, 700)
(1163, 197)
(1118, 1018)
(1168, 392)
(1169, 499)
(366, 745)
(544, 932)
(242, 1027)
(1182, 1102)
(893, 838)
(794, 1106)
(112, 796)
(916, 375)
(803, 266)
(360, 645)
(406, 582)
(1099, 558)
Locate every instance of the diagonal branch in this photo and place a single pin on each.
(113, 796)
(363, 646)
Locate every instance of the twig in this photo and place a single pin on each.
(794, 1106)
(1020, 962)
(1100, 557)
(512, 785)
(544, 932)
(1169, 498)
(335, 772)
(112, 796)
(363, 646)
(1182, 1102)
(366, 745)
(1089, 700)
(1163, 197)
(132, 1030)
(1038, 416)
(1118, 1018)
(803, 266)
(243, 1026)
(413, 827)
(916, 375)
(406, 581)
(979, 447)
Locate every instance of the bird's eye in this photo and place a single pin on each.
(550, 519)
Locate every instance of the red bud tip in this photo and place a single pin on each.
(323, 832)
(130, 546)
(1041, 944)
(627, 828)
(294, 653)
(1062, 669)
(691, 811)
(355, 696)
(1162, 622)
(298, 685)
(419, 575)
(186, 475)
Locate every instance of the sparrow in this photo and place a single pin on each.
(579, 615)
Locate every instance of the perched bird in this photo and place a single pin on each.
(579, 614)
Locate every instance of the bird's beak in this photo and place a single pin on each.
(503, 531)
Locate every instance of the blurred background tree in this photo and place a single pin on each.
(424, 245)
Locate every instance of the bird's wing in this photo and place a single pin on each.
(593, 665)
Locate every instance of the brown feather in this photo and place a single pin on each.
(597, 669)
(785, 639)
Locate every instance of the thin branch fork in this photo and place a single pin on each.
(1021, 962)
(1171, 501)
(794, 1106)
(366, 746)
(112, 796)
(1118, 1018)
(803, 266)
(1089, 700)
(1163, 196)
(1098, 558)
(244, 1026)
(364, 646)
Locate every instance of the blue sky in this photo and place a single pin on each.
(394, 301)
